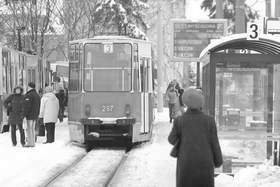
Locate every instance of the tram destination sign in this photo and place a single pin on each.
(190, 38)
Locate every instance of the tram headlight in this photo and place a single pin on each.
(127, 110)
(87, 110)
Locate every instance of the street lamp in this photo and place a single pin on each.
(19, 29)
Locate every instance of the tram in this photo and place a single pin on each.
(16, 68)
(110, 90)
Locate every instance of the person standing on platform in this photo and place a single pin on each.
(196, 144)
(31, 112)
(49, 110)
(15, 104)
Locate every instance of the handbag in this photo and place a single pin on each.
(6, 128)
(174, 151)
(42, 129)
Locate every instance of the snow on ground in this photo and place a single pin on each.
(264, 175)
(34, 166)
(93, 170)
(244, 150)
(149, 165)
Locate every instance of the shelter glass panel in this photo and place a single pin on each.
(242, 99)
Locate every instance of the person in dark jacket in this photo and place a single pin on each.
(61, 98)
(15, 104)
(31, 112)
(198, 146)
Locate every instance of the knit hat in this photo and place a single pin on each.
(193, 98)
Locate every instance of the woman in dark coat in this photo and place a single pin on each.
(15, 105)
(198, 149)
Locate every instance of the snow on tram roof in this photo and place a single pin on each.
(238, 37)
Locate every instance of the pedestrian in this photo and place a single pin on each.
(49, 110)
(172, 98)
(31, 112)
(61, 98)
(198, 149)
(15, 104)
(180, 93)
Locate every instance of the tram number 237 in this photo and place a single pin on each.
(107, 108)
(253, 31)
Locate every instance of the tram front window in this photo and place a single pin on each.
(108, 67)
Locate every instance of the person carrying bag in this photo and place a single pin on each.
(196, 144)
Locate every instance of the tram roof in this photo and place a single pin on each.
(266, 44)
(107, 37)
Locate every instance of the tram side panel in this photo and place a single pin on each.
(75, 114)
(1, 89)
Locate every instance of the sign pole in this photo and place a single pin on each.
(159, 62)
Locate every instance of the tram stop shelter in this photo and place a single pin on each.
(241, 83)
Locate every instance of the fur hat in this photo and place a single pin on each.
(20, 88)
(193, 98)
(31, 85)
(48, 89)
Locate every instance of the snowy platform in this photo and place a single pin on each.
(33, 167)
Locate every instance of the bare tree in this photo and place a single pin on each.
(34, 18)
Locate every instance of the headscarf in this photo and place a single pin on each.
(48, 89)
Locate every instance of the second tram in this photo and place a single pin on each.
(16, 69)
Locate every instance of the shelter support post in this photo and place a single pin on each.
(270, 110)
(198, 74)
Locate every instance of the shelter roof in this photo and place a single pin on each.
(266, 44)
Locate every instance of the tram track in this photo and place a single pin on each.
(95, 168)
(60, 173)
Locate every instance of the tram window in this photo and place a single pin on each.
(144, 75)
(108, 70)
(4, 71)
(31, 75)
(150, 76)
(74, 68)
(72, 53)
(135, 52)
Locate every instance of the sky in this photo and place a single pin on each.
(194, 12)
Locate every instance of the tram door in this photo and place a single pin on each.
(144, 96)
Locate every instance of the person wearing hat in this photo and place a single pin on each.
(195, 136)
(15, 103)
(49, 109)
(31, 112)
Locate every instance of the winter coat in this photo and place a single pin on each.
(31, 105)
(15, 104)
(49, 108)
(199, 149)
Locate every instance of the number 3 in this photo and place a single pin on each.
(254, 30)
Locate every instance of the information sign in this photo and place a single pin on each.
(254, 30)
(190, 38)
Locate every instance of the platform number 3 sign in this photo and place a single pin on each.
(253, 30)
